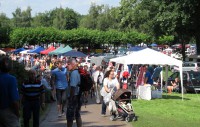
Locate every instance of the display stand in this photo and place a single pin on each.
(144, 92)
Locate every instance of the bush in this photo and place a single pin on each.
(18, 70)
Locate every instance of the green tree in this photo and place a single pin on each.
(22, 18)
(126, 15)
(106, 20)
(144, 17)
(182, 18)
(4, 28)
(59, 20)
(90, 21)
(65, 19)
(42, 20)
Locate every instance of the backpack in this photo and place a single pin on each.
(86, 80)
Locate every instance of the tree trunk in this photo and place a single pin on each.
(183, 48)
(197, 36)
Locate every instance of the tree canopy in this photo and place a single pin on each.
(134, 21)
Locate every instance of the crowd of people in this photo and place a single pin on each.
(63, 80)
(58, 79)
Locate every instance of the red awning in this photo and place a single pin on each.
(8, 49)
(48, 50)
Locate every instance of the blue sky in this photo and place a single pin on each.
(80, 6)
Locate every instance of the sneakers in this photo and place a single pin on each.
(103, 115)
(63, 114)
(59, 115)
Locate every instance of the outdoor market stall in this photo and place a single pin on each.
(54, 52)
(152, 57)
(51, 48)
(36, 50)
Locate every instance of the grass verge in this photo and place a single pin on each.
(170, 111)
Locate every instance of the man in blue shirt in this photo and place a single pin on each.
(147, 77)
(74, 103)
(9, 96)
(59, 79)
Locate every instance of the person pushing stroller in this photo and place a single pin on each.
(108, 84)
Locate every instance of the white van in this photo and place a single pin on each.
(189, 66)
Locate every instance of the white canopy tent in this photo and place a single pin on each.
(150, 56)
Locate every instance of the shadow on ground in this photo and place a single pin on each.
(173, 97)
(90, 124)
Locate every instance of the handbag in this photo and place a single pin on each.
(107, 98)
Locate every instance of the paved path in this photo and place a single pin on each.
(90, 116)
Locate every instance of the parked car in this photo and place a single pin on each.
(188, 66)
(191, 81)
(176, 55)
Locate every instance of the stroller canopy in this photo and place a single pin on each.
(122, 92)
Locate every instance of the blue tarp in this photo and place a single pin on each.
(74, 53)
(36, 50)
(154, 45)
(18, 50)
(136, 48)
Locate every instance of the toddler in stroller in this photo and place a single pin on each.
(120, 106)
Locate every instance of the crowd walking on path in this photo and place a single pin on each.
(53, 79)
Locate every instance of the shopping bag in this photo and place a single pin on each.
(107, 98)
(112, 106)
(103, 92)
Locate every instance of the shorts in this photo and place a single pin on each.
(61, 96)
(73, 108)
(8, 118)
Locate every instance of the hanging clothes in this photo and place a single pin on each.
(140, 78)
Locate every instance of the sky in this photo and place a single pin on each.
(80, 6)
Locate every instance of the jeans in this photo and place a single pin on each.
(30, 107)
(97, 90)
(73, 108)
(103, 107)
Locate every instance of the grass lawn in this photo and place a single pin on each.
(170, 111)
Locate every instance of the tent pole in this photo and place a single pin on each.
(166, 76)
(161, 80)
(181, 78)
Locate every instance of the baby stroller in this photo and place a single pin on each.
(124, 109)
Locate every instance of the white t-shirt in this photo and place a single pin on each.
(96, 74)
(110, 83)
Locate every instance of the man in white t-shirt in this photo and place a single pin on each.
(97, 78)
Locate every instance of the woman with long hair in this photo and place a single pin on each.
(108, 84)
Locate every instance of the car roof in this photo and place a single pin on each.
(191, 72)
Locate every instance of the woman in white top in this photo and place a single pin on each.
(109, 83)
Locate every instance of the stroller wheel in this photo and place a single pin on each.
(128, 119)
(135, 118)
(112, 118)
